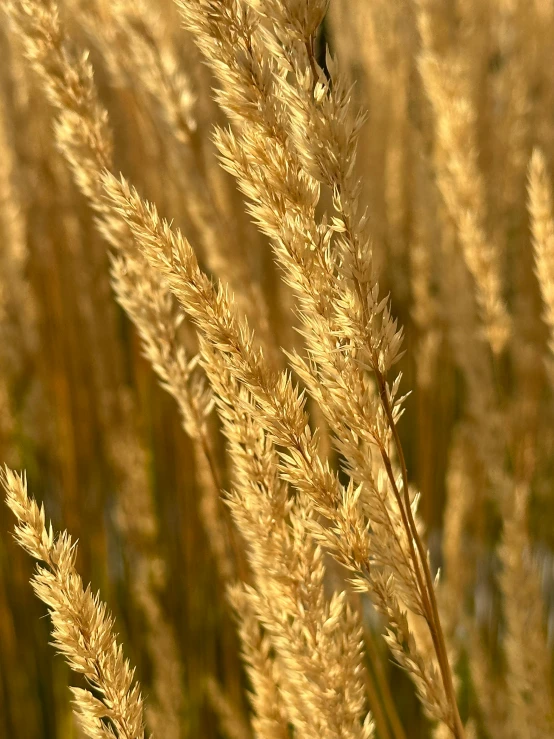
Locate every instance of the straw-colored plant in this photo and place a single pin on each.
(401, 226)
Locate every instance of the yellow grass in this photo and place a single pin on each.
(276, 334)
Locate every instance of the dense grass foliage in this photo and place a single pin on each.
(277, 324)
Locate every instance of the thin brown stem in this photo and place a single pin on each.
(433, 619)
(425, 584)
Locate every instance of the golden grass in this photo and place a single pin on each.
(294, 252)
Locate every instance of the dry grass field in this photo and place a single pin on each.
(277, 369)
